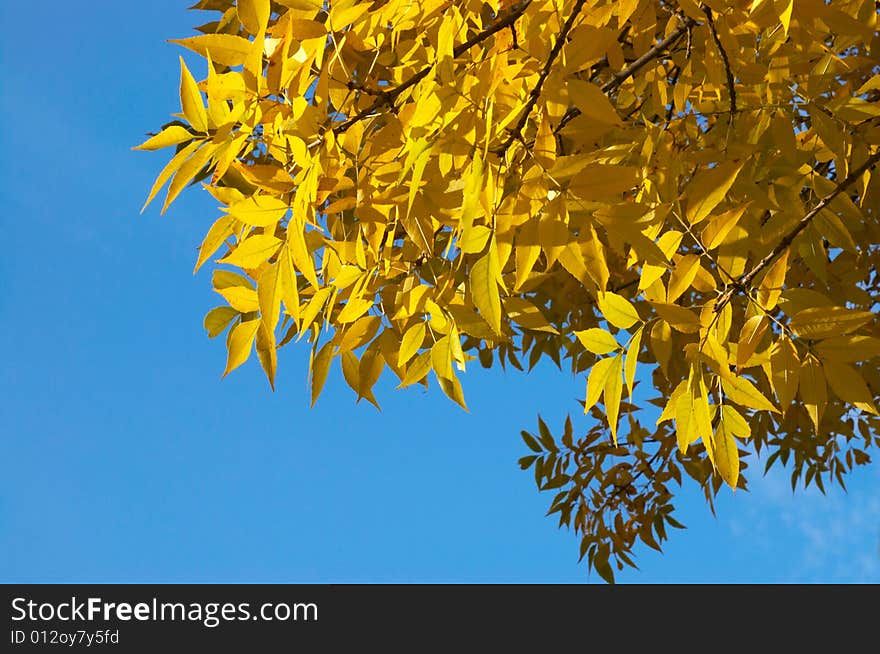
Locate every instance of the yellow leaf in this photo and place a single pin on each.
(417, 370)
(226, 49)
(813, 389)
(241, 298)
(617, 310)
(785, 14)
(871, 85)
(601, 181)
(528, 249)
(217, 319)
(484, 290)
(253, 14)
(596, 381)
(717, 229)
(832, 227)
(709, 188)
(527, 315)
(299, 250)
(592, 102)
(625, 9)
(613, 392)
(354, 309)
(452, 388)
(218, 109)
(358, 333)
(474, 240)
(771, 286)
(570, 258)
(668, 412)
(744, 393)
(314, 307)
(785, 370)
(849, 386)
(544, 149)
(369, 370)
(171, 135)
(597, 341)
(252, 251)
(267, 353)
(191, 100)
(219, 232)
(259, 210)
(726, 452)
(685, 416)
(593, 254)
(350, 365)
(661, 344)
(737, 425)
(632, 358)
(441, 358)
(474, 182)
(269, 293)
(702, 417)
(341, 16)
(823, 322)
(288, 284)
(187, 171)
(239, 344)
(170, 168)
(750, 338)
(681, 318)
(716, 355)
(411, 343)
(226, 278)
(682, 276)
(848, 349)
(320, 366)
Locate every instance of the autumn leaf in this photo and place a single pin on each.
(597, 341)
(617, 310)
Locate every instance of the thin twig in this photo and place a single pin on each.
(731, 87)
(619, 78)
(745, 282)
(387, 98)
(535, 93)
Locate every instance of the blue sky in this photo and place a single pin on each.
(127, 459)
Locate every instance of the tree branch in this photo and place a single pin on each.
(619, 78)
(516, 132)
(731, 88)
(387, 98)
(745, 281)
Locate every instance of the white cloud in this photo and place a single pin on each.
(813, 538)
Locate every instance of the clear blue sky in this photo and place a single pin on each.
(126, 458)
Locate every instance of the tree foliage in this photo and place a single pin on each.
(674, 196)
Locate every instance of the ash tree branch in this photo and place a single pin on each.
(535, 93)
(745, 281)
(387, 98)
(731, 87)
(619, 78)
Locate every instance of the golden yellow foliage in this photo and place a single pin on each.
(689, 186)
